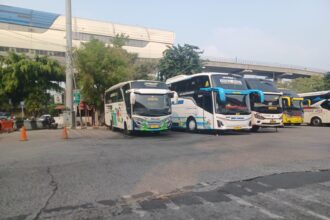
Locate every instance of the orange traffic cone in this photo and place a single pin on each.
(23, 134)
(65, 133)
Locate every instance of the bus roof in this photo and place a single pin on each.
(320, 93)
(119, 85)
(179, 78)
(262, 84)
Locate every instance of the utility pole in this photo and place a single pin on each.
(69, 117)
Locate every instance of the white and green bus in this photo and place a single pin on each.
(212, 101)
(140, 105)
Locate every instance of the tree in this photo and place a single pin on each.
(29, 79)
(100, 67)
(120, 40)
(327, 81)
(180, 60)
(312, 84)
(145, 69)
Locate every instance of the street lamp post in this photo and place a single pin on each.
(69, 117)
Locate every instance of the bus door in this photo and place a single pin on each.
(326, 111)
(205, 102)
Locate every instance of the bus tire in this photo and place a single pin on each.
(191, 125)
(255, 128)
(316, 121)
(126, 131)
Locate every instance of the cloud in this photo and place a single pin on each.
(259, 45)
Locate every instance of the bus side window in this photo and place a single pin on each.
(107, 98)
(120, 96)
(203, 82)
(326, 105)
(127, 98)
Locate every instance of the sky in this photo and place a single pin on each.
(294, 32)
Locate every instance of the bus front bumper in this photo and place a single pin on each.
(292, 119)
(225, 124)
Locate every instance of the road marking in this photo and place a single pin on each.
(309, 198)
(171, 205)
(302, 209)
(126, 197)
(260, 209)
(247, 189)
(263, 184)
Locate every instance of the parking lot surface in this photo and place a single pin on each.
(99, 174)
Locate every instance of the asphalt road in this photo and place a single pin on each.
(98, 174)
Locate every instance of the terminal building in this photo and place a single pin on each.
(43, 33)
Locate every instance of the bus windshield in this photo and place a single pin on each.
(152, 105)
(228, 82)
(270, 105)
(234, 104)
(296, 105)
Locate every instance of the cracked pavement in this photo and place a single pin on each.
(98, 174)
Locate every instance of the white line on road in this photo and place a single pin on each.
(246, 203)
(302, 209)
(171, 205)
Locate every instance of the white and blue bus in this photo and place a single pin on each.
(140, 105)
(212, 101)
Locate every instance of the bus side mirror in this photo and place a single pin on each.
(175, 97)
(133, 98)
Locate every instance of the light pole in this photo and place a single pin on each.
(69, 118)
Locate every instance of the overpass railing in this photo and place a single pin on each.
(260, 63)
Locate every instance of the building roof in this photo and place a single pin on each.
(26, 17)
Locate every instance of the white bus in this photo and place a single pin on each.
(317, 108)
(268, 113)
(212, 101)
(140, 105)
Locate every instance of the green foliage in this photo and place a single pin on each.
(327, 81)
(312, 84)
(120, 40)
(26, 79)
(99, 67)
(180, 60)
(145, 69)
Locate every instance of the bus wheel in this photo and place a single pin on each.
(254, 128)
(316, 121)
(191, 125)
(126, 131)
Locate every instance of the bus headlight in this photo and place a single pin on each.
(257, 116)
(167, 121)
(220, 124)
(138, 121)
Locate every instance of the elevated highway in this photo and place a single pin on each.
(269, 70)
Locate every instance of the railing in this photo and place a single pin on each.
(259, 63)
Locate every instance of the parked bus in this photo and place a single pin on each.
(139, 105)
(212, 101)
(269, 112)
(317, 108)
(292, 103)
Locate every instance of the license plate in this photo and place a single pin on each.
(154, 126)
(237, 128)
(272, 121)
